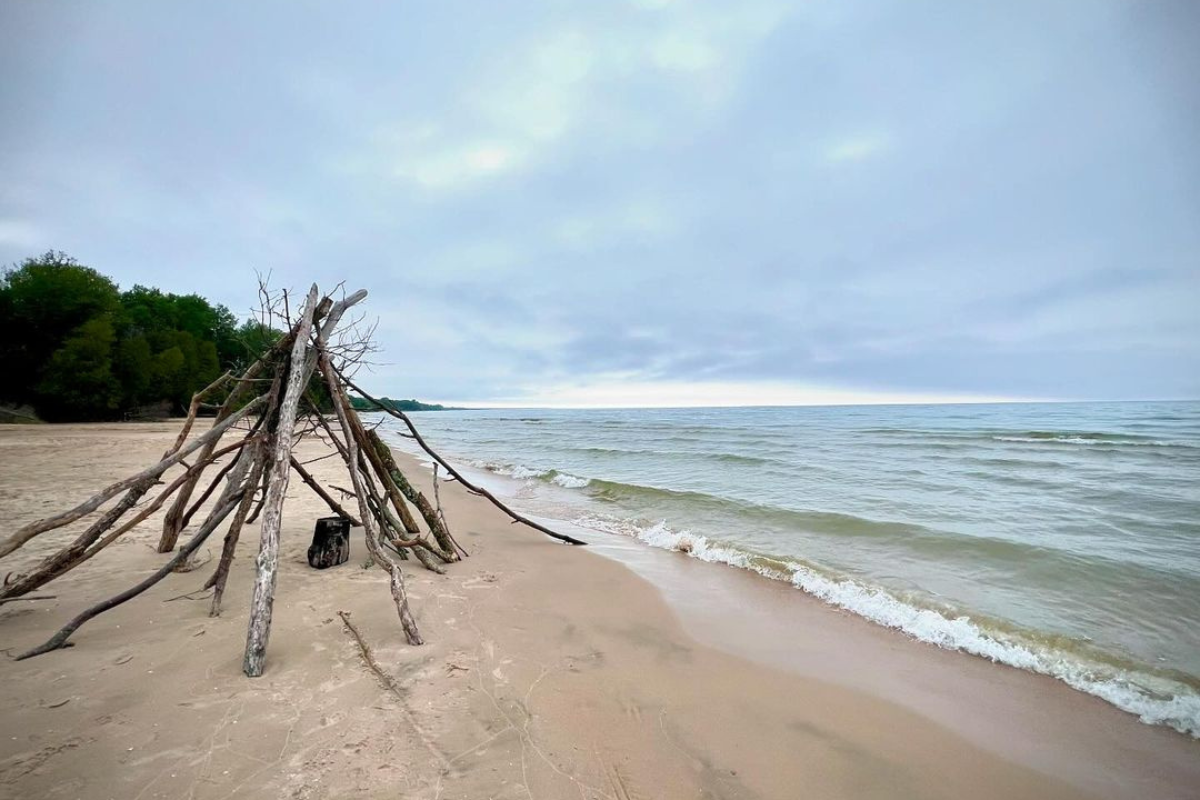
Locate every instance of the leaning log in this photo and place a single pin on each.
(479, 490)
(33, 529)
(229, 498)
(440, 534)
(371, 533)
(173, 523)
(58, 563)
(385, 477)
(220, 575)
(277, 471)
(319, 490)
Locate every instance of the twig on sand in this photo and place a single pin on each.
(189, 596)
(368, 657)
(35, 597)
(392, 686)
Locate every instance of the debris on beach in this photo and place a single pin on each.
(298, 388)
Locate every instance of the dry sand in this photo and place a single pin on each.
(549, 671)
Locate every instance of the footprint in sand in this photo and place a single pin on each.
(484, 581)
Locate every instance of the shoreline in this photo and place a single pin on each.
(1032, 718)
(1154, 695)
(549, 671)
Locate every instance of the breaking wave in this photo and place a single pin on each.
(1161, 699)
(1075, 519)
(521, 473)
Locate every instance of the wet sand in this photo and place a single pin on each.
(549, 671)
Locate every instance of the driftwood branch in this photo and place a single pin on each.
(388, 463)
(368, 657)
(29, 598)
(262, 461)
(334, 505)
(220, 575)
(86, 545)
(277, 471)
(207, 493)
(194, 408)
(400, 415)
(28, 532)
(342, 406)
(59, 639)
(441, 515)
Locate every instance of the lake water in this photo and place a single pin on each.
(1059, 538)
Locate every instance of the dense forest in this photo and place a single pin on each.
(361, 404)
(73, 346)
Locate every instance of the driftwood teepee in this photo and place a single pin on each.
(270, 406)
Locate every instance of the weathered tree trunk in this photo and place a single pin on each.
(220, 575)
(33, 529)
(440, 534)
(229, 498)
(173, 523)
(69, 556)
(365, 448)
(334, 505)
(479, 490)
(341, 405)
(330, 544)
(277, 470)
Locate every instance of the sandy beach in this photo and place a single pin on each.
(610, 671)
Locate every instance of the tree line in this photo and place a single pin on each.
(387, 403)
(77, 348)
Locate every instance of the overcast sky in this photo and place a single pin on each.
(644, 202)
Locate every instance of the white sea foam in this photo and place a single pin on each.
(516, 471)
(522, 472)
(1085, 441)
(1153, 699)
(570, 481)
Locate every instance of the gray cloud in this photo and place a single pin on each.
(932, 198)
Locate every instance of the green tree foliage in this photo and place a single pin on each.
(78, 382)
(45, 301)
(362, 404)
(77, 348)
(133, 363)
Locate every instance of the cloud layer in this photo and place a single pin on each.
(551, 201)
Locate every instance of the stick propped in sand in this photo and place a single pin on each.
(300, 367)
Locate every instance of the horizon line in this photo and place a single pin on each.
(461, 406)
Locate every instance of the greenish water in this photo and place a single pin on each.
(1058, 538)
